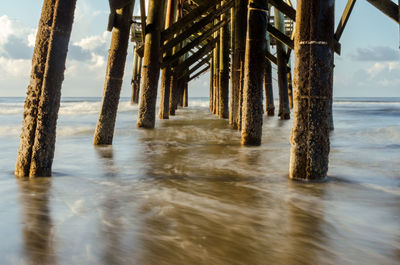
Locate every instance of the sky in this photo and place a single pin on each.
(368, 67)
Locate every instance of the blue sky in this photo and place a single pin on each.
(369, 65)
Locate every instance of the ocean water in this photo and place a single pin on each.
(188, 193)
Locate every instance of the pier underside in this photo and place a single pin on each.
(238, 42)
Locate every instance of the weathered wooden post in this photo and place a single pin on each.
(254, 72)
(314, 40)
(284, 110)
(216, 76)
(151, 65)
(233, 94)
(37, 144)
(134, 76)
(180, 93)
(224, 43)
(211, 83)
(114, 74)
(139, 77)
(174, 87)
(239, 38)
(185, 95)
(290, 85)
(166, 72)
(269, 93)
(174, 91)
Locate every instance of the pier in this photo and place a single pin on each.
(176, 41)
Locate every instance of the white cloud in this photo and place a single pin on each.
(14, 68)
(380, 68)
(93, 43)
(375, 69)
(15, 38)
(375, 54)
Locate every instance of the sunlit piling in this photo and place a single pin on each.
(224, 45)
(37, 142)
(314, 47)
(166, 73)
(114, 74)
(151, 65)
(252, 118)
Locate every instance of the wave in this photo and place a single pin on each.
(11, 108)
(389, 190)
(62, 131)
(388, 135)
(90, 108)
(67, 108)
(10, 130)
(198, 103)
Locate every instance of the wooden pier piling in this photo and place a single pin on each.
(139, 79)
(284, 110)
(185, 95)
(224, 45)
(134, 77)
(290, 85)
(269, 93)
(114, 74)
(216, 76)
(151, 65)
(314, 47)
(252, 119)
(37, 144)
(239, 46)
(166, 72)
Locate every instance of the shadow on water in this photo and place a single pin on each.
(37, 228)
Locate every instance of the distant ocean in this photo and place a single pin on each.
(188, 193)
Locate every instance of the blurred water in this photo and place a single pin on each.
(188, 193)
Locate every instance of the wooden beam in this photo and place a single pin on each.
(195, 57)
(387, 7)
(337, 47)
(286, 9)
(196, 26)
(269, 56)
(199, 73)
(143, 18)
(344, 19)
(186, 20)
(279, 36)
(173, 58)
